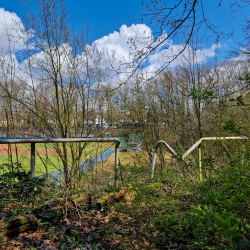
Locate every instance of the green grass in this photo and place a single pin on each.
(54, 161)
(141, 214)
(159, 216)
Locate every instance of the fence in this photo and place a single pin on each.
(135, 138)
(107, 135)
(196, 145)
(16, 150)
(122, 139)
(57, 176)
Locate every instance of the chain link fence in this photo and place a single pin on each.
(57, 177)
(58, 162)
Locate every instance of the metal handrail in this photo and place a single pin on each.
(197, 144)
(60, 140)
(154, 155)
(211, 139)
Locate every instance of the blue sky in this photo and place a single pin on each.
(108, 16)
(105, 16)
(110, 22)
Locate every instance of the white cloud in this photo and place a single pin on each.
(124, 42)
(117, 49)
(184, 57)
(243, 55)
(12, 32)
(129, 42)
(178, 54)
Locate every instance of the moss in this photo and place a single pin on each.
(16, 224)
(152, 189)
(82, 199)
(154, 186)
(75, 197)
(105, 198)
(101, 201)
(17, 220)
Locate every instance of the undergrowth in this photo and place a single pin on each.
(168, 212)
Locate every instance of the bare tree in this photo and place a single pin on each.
(57, 75)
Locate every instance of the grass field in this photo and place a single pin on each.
(54, 161)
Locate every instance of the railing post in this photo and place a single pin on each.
(199, 162)
(32, 159)
(242, 151)
(153, 164)
(116, 163)
(154, 156)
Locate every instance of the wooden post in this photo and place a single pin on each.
(32, 160)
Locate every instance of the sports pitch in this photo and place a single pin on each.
(21, 153)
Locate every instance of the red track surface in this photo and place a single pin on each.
(23, 151)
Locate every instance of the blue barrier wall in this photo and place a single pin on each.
(57, 176)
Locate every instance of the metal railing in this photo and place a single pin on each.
(33, 143)
(154, 155)
(197, 144)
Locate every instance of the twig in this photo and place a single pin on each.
(73, 201)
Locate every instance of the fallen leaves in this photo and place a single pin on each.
(88, 223)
